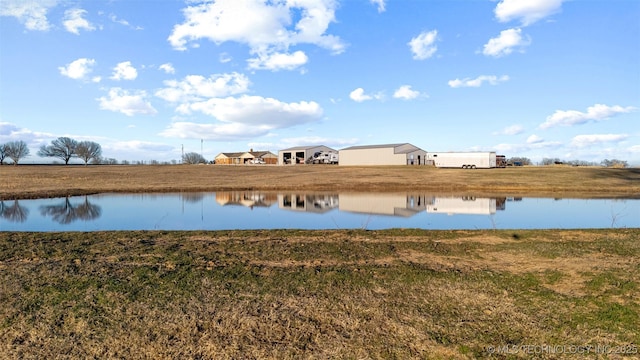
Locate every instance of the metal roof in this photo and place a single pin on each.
(362, 147)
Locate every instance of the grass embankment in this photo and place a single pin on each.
(318, 294)
(20, 182)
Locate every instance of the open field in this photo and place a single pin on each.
(288, 294)
(320, 294)
(19, 182)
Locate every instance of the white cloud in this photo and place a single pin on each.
(198, 88)
(243, 117)
(505, 43)
(225, 58)
(534, 139)
(358, 95)
(78, 69)
(595, 139)
(33, 14)
(123, 22)
(477, 82)
(268, 28)
(528, 11)
(423, 46)
(278, 61)
(405, 92)
(597, 112)
(256, 110)
(124, 71)
(74, 21)
(168, 68)
(380, 4)
(130, 104)
(510, 130)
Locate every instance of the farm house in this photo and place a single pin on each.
(388, 154)
(300, 154)
(250, 157)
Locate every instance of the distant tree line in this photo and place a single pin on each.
(606, 162)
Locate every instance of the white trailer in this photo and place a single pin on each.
(323, 157)
(464, 160)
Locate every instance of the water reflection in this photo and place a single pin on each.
(14, 212)
(314, 203)
(67, 212)
(246, 198)
(271, 210)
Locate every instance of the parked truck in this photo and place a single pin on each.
(323, 157)
(466, 160)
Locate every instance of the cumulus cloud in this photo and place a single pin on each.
(380, 4)
(595, 139)
(423, 46)
(78, 69)
(358, 95)
(597, 112)
(256, 110)
(505, 43)
(405, 92)
(510, 130)
(534, 139)
(124, 71)
(278, 61)
(33, 14)
(128, 103)
(268, 28)
(74, 21)
(477, 82)
(243, 117)
(198, 88)
(167, 68)
(527, 11)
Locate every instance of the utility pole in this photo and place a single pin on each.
(182, 157)
(201, 145)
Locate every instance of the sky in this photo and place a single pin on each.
(152, 79)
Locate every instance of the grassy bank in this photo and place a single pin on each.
(318, 294)
(20, 182)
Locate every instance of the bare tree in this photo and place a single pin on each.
(16, 150)
(193, 158)
(62, 148)
(3, 153)
(88, 150)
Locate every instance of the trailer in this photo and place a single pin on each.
(465, 160)
(323, 157)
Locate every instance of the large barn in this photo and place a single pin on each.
(300, 154)
(387, 154)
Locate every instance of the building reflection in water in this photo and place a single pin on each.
(314, 203)
(249, 199)
(393, 204)
(469, 205)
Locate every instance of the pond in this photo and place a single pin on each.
(290, 210)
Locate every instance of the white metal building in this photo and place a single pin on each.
(388, 154)
(299, 154)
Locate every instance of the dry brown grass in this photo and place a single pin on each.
(53, 181)
(316, 294)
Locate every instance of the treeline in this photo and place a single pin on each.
(89, 152)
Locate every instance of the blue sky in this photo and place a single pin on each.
(145, 78)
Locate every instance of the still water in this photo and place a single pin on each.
(290, 210)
